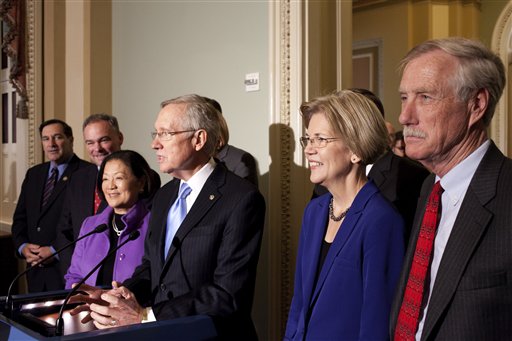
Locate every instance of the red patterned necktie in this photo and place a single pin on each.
(97, 200)
(408, 317)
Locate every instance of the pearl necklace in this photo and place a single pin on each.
(114, 226)
(331, 212)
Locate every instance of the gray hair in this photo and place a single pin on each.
(200, 114)
(479, 68)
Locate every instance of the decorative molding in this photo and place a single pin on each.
(31, 83)
(285, 159)
(500, 44)
(378, 43)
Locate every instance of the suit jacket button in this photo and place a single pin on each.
(163, 287)
(38, 229)
(121, 256)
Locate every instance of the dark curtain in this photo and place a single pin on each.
(13, 14)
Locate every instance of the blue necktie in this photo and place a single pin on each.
(176, 216)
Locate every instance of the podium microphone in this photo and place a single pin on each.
(8, 300)
(59, 324)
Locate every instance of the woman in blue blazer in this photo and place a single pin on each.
(351, 242)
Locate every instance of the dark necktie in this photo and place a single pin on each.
(50, 185)
(408, 317)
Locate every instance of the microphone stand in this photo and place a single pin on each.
(9, 304)
(59, 324)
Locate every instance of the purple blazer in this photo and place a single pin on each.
(91, 250)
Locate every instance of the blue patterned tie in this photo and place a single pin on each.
(176, 216)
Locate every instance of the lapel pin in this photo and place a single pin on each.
(64, 178)
(212, 197)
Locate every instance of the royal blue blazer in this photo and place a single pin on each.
(352, 297)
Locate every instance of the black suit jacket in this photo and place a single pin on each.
(78, 205)
(399, 180)
(211, 265)
(35, 224)
(472, 294)
(239, 162)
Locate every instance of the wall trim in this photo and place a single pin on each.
(500, 44)
(378, 43)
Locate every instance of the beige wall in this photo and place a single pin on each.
(491, 10)
(390, 25)
(400, 25)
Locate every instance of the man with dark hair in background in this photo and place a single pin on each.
(40, 205)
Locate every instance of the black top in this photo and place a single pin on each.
(324, 249)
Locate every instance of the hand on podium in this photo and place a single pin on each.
(122, 309)
(108, 308)
(89, 295)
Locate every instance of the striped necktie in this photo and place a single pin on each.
(50, 185)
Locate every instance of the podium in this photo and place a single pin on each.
(34, 316)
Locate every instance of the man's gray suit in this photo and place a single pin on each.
(472, 293)
(211, 265)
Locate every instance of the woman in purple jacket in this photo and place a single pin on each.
(124, 181)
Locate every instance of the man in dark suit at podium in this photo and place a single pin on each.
(40, 205)
(205, 264)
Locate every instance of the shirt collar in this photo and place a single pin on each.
(62, 167)
(197, 181)
(456, 182)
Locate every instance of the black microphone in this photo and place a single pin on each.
(59, 324)
(8, 300)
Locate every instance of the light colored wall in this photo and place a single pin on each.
(163, 49)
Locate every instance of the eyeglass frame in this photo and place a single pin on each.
(169, 134)
(318, 140)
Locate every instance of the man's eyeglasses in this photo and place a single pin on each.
(317, 141)
(167, 135)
